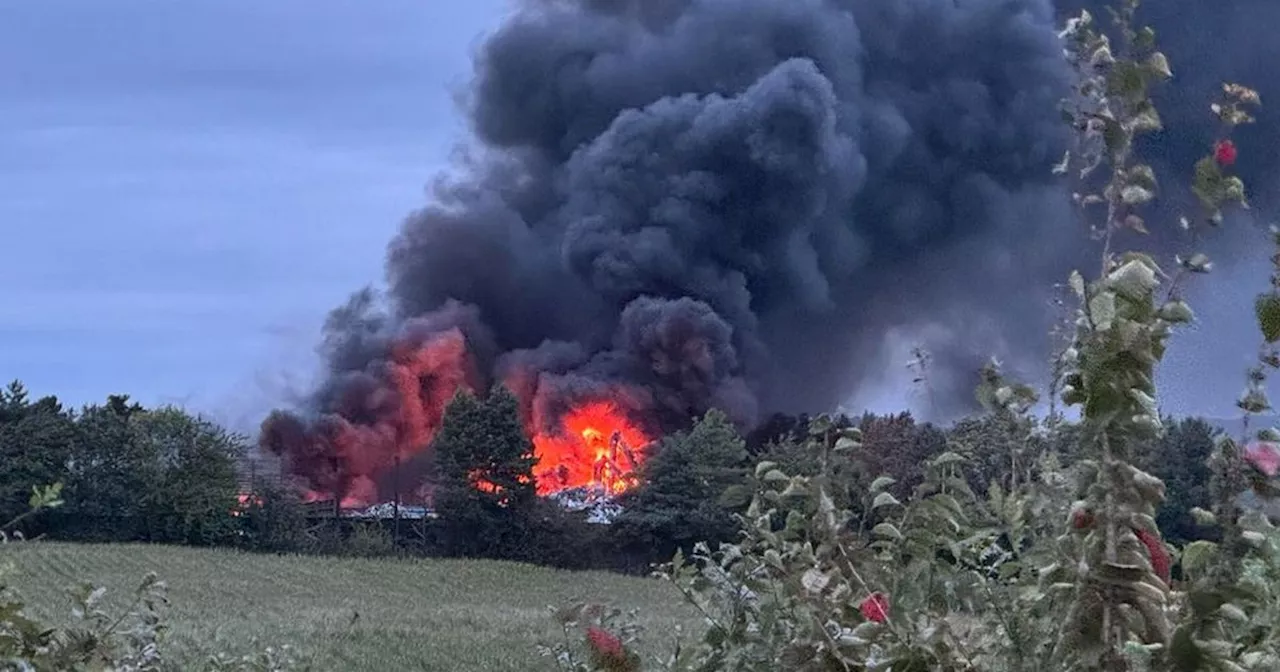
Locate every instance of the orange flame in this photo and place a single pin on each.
(597, 446)
(244, 501)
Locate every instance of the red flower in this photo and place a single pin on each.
(1159, 554)
(604, 642)
(1264, 455)
(1224, 152)
(875, 608)
(607, 651)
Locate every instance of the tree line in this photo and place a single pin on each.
(164, 475)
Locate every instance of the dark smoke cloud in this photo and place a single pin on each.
(688, 204)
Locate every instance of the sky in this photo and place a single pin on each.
(187, 188)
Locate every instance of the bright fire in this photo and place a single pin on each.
(597, 447)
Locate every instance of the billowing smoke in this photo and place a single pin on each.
(679, 205)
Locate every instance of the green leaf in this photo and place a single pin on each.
(886, 531)
(1134, 195)
(735, 496)
(776, 476)
(1102, 310)
(1141, 175)
(844, 444)
(1125, 80)
(1198, 263)
(1076, 281)
(764, 468)
(1145, 39)
(1233, 613)
(1135, 279)
(1197, 554)
(1267, 309)
(1184, 653)
(1202, 517)
(1146, 119)
(1061, 167)
(1159, 64)
(1254, 401)
(814, 580)
(949, 457)
(884, 499)
(1114, 136)
(1177, 312)
(882, 482)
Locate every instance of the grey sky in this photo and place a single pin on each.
(187, 187)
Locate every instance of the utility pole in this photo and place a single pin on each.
(337, 496)
(395, 511)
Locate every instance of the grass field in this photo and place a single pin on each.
(457, 616)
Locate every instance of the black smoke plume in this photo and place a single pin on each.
(689, 204)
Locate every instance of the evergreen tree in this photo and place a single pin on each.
(35, 443)
(688, 486)
(485, 489)
(1180, 458)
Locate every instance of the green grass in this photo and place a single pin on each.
(454, 615)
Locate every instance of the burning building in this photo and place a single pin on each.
(673, 206)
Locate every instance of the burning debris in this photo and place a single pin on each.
(594, 449)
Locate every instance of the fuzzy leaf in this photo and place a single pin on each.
(882, 482)
(1267, 309)
(1077, 284)
(886, 531)
(1159, 64)
(1102, 310)
(1197, 554)
(814, 580)
(1177, 312)
(1135, 195)
(885, 499)
(1134, 279)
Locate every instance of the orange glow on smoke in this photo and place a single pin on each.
(348, 502)
(597, 446)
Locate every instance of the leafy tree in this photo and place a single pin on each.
(190, 466)
(107, 477)
(35, 443)
(159, 475)
(690, 483)
(483, 465)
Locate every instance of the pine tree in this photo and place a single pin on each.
(485, 488)
(689, 484)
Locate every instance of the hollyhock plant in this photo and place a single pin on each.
(875, 607)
